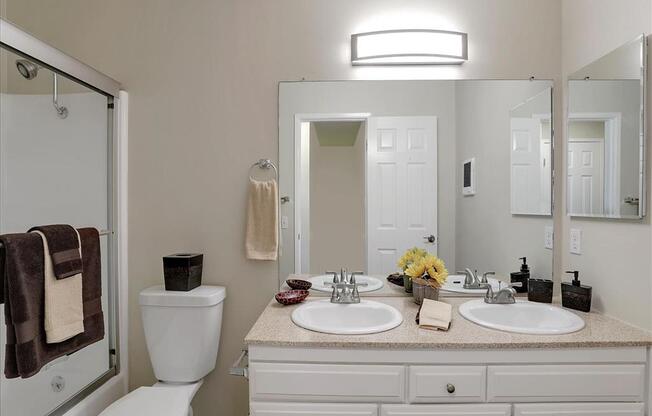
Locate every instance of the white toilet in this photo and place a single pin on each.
(182, 330)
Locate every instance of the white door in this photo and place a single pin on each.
(401, 189)
(586, 177)
(526, 168)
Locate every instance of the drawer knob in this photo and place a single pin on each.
(450, 388)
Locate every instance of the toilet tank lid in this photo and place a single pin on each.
(201, 296)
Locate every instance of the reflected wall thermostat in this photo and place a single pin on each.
(469, 177)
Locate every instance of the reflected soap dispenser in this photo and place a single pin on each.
(575, 295)
(522, 277)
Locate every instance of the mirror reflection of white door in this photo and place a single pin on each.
(526, 166)
(401, 189)
(586, 176)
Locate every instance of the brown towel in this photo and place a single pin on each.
(262, 220)
(23, 279)
(63, 244)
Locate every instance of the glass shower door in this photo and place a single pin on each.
(55, 167)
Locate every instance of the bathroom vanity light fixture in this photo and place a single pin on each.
(409, 47)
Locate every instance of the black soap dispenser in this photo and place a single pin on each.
(522, 277)
(575, 295)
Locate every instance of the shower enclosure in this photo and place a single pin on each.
(59, 159)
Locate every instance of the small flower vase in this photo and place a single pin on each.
(407, 283)
(422, 290)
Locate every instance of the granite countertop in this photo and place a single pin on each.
(274, 327)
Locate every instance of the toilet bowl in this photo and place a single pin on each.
(182, 331)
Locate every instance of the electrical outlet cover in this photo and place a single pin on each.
(548, 237)
(575, 241)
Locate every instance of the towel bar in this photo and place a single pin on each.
(102, 232)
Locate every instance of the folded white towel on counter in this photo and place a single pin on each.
(435, 315)
(262, 220)
(64, 305)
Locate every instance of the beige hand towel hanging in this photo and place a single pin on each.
(64, 310)
(262, 220)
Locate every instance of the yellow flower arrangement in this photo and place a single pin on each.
(410, 257)
(429, 267)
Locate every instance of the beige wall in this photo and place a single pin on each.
(337, 193)
(202, 77)
(615, 256)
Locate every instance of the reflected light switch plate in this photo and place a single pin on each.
(548, 237)
(575, 241)
(285, 223)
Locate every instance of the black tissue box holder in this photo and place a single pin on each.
(182, 271)
(540, 290)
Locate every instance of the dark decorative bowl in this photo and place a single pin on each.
(291, 297)
(396, 278)
(299, 284)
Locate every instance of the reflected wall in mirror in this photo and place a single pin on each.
(373, 168)
(605, 136)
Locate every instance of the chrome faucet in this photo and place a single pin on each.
(504, 296)
(471, 281)
(345, 287)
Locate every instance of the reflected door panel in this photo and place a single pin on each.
(586, 177)
(401, 188)
(526, 166)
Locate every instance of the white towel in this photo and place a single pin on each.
(435, 315)
(64, 305)
(262, 220)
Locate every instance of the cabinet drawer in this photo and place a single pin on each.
(429, 384)
(447, 410)
(326, 382)
(580, 409)
(312, 409)
(566, 383)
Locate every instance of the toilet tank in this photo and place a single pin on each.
(182, 331)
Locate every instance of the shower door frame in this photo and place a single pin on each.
(21, 43)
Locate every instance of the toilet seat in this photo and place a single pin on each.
(162, 399)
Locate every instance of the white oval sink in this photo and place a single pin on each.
(455, 283)
(320, 283)
(366, 317)
(522, 317)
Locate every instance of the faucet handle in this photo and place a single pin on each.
(353, 275)
(489, 296)
(484, 279)
(336, 276)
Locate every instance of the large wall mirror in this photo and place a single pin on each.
(369, 169)
(606, 137)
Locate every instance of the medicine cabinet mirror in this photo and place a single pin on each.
(605, 135)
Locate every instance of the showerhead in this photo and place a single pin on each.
(27, 69)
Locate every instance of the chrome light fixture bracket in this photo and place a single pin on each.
(409, 47)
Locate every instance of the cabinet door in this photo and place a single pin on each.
(446, 410)
(566, 383)
(447, 384)
(326, 383)
(579, 409)
(312, 409)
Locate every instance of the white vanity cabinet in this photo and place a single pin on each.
(365, 382)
